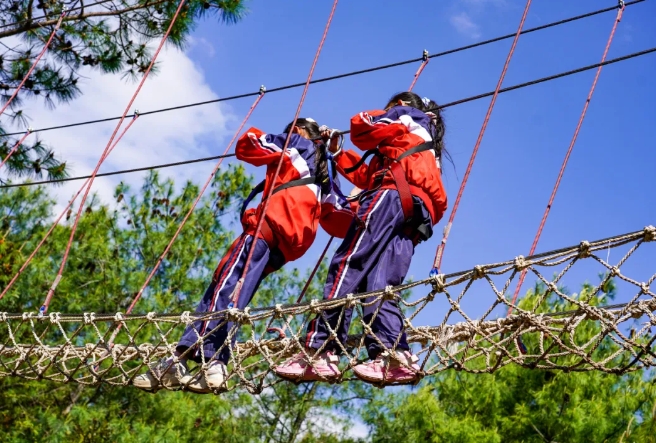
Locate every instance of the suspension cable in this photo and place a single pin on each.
(344, 75)
(446, 105)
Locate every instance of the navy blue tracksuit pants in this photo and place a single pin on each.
(218, 296)
(370, 258)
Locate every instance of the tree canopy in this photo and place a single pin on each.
(110, 37)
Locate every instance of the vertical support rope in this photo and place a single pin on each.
(235, 295)
(56, 223)
(15, 148)
(440, 249)
(193, 206)
(51, 291)
(38, 58)
(522, 276)
(424, 62)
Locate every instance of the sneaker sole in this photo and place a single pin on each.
(386, 382)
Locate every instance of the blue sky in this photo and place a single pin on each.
(608, 185)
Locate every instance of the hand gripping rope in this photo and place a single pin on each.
(38, 58)
(440, 249)
(618, 18)
(104, 155)
(235, 295)
(281, 333)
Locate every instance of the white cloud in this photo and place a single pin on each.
(465, 25)
(153, 139)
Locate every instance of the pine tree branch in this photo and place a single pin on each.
(81, 16)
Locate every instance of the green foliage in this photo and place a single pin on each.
(116, 247)
(112, 36)
(516, 404)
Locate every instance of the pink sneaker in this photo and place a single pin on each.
(323, 366)
(391, 369)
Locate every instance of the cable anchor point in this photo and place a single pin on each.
(621, 4)
(262, 89)
(136, 113)
(424, 55)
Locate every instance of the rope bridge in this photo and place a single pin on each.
(581, 336)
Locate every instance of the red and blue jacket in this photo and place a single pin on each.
(294, 213)
(394, 132)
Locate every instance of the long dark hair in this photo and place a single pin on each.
(312, 127)
(437, 128)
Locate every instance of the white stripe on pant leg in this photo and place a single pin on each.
(225, 280)
(355, 249)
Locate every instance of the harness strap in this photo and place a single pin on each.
(404, 190)
(260, 188)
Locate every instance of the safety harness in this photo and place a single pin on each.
(415, 227)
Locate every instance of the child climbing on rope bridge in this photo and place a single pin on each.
(404, 198)
(303, 197)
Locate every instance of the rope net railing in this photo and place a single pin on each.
(552, 329)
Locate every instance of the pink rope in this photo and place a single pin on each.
(419, 70)
(240, 283)
(15, 148)
(193, 206)
(538, 234)
(54, 225)
(440, 249)
(38, 58)
(51, 291)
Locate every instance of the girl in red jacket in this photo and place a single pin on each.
(402, 201)
(302, 199)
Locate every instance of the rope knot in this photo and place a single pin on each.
(389, 293)
(438, 283)
(520, 263)
(151, 316)
(277, 311)
(615, 271)
(479, 272)
(119, 317)
(349, 301)
(27, 315)
(584, 249)
(314, 308)
(54, 317)
(186, 318)
(650, 233)
(644, 287)
(3, 316)
(89, 317)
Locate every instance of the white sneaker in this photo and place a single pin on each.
(171, 375)
(212, 378)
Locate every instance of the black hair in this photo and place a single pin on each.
(314, 134)
(437, 128)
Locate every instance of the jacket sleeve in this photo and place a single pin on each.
(336, 215)
(257, 148)
(347, 159)
(371, 128)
